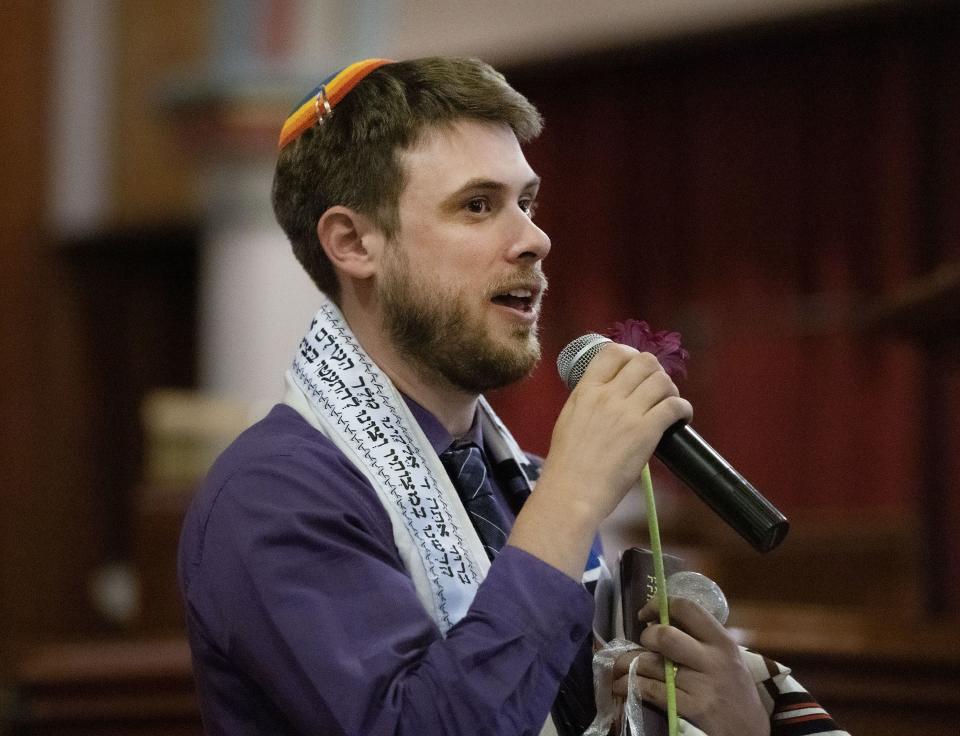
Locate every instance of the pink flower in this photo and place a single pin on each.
(664, 345)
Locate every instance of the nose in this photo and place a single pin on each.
(531, 244)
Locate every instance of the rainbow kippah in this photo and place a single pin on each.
(321, 101)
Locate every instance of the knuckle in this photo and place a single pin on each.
(649, 637)
(730, 649)
(658, 379)
(681, 607)
(622, 663)
(618, 351)
(679, 407)
(647, 665)
(659, 637)
(670, 637)
(648, 361)
(650, 659)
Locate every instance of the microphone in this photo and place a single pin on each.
(696, 463)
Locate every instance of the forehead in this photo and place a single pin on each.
(445, 157)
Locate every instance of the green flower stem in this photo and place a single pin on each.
(668, 670)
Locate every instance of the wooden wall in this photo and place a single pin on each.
(88, 323)
(25, 583)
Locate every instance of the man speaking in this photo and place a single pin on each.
(369, 559)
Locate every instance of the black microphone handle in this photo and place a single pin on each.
(721, 487)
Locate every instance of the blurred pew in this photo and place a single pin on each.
(876, 677)
(111, 688)
(839, 602)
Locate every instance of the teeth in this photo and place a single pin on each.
(521, 293)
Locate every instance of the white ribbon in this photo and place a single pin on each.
(612, 709)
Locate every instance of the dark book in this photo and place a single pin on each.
(638, 584)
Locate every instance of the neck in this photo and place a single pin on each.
(453, 407)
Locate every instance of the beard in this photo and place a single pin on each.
(434, 329)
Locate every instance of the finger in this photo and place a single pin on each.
(650, 612)
(622, 663)
(606, 364)
(643, 373)
(650, 665)
(697, 621)
(670, 410)
(675, 645)
(688, 616)
(655, 692)
(620, 686)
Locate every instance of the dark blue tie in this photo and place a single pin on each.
(466, 468)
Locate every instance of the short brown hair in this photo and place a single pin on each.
(353, 158)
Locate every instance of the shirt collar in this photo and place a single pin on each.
(437, 435)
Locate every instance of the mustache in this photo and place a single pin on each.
(532, 279)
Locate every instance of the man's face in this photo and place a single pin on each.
(461, 283)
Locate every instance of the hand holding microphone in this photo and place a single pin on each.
(605, 434)
(695, 462)
(609, 427)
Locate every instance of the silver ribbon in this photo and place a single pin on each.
(610, 707)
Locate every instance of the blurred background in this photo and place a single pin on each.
(778, 180)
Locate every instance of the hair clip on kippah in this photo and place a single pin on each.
(318, 106)
(322, 96)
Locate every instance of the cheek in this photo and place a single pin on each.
(451, 270)
(473, 262)
(449, 257)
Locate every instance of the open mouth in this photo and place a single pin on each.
(521, 299)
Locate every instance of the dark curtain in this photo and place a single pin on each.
(762, 193)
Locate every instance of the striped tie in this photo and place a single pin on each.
(466, 468)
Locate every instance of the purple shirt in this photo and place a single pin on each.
(303, 620)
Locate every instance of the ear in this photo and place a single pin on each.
(351, 241)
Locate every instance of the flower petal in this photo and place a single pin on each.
(664, 345)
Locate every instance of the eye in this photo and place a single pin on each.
(529, 206)
(478, 205)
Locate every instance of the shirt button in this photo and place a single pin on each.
(577, 633)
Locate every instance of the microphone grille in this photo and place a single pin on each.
(576, 356)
